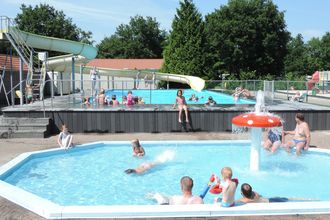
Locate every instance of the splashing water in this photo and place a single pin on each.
(165, 156)
(260, 103)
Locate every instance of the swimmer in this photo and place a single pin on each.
(143, 167)
(138, 150)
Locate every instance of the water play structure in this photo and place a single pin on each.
(256, 121)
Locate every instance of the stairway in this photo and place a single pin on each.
(11, 127)
(36, 75)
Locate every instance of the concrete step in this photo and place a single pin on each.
(24, 121)
(24, 134)
(5, 127)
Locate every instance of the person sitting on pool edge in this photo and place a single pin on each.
(301, 135)
(275, 137)
(187, 198)
(182, 105)
(65, 138)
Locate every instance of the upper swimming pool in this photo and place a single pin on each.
(168, 96)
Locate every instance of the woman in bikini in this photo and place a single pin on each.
(182, 105)
(302, 136)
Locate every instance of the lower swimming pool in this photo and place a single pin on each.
(93, 175)
(168, 96)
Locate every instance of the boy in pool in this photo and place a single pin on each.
(228, 188)
(138, 150)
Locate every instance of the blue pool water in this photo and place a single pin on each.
(95, 176)
(168, 96)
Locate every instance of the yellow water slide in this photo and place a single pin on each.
(84, 52)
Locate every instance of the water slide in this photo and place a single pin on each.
(84, 52)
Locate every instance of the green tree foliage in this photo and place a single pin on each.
(45, 20)
(141, 38)
(184, 53)
(314, 53)
(296, 58)
(246, 36)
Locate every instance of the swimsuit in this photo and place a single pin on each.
(274, 137)
(227, 204)
(298, 141)
(278, 199)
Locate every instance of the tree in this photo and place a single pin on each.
(246, 36)
(296, 58)
(141, 38)
(45, 20)
(314, 55)
(184, 53)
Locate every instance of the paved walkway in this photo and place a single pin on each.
(10, 148)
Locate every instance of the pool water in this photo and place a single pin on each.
(95, 176)
(168, 96)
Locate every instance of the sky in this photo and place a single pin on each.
(307, 17)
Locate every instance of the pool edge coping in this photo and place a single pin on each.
(52, 210)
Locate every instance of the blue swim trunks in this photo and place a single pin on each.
(278, 199)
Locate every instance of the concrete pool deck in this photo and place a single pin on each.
(10, 148)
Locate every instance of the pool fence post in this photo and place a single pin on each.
(113, 82)
(21, 80)
(11, 78)
(52, 88)
(73, 76)
(108, 81)
(61, 79)
(81, 78)
(168, 83)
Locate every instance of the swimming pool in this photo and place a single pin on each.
(89, 176)
(168, 96)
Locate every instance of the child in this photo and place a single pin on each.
(130, 100)
(138, 150)
(182, 105)
(29, 94)
(228, 188)
(65, 138)
(114, 101)
(210, 102)
(101, 97)
(124, 100)
(86, 101)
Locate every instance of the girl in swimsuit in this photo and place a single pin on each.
(65, 138)
(182, 105)
(138, 150)
(302, 137)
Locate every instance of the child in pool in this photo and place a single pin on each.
(228, 188)
(138, 150)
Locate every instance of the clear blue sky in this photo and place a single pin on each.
(311, 18)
